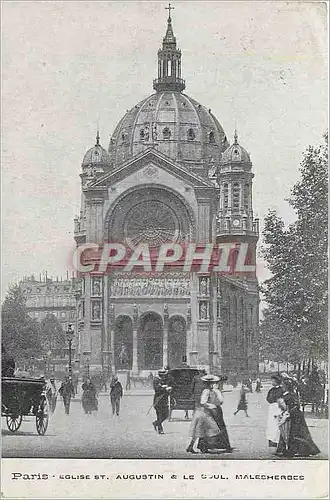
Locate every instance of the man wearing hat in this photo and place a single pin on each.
(162, 391)
(116, 393)
(275, 393)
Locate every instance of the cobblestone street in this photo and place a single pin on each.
(132, 435)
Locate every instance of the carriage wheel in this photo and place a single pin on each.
(14, 422)
(42, 416)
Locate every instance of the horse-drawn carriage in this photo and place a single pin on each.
(24, 397)
(182, 394)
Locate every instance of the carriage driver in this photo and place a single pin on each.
(162, 390)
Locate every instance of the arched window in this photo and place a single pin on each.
(166, 134)
(236, 196)
(191, 134)
(211, 138)
(225, 195)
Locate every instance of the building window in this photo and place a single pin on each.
(211, 138)
(225, 195)
(236, 196)
(246, 196)
(166, 134)
(191, 134)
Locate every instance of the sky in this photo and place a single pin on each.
(69, 67)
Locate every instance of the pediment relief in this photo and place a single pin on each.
(150, 165)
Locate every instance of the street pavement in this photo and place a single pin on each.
(130, 436)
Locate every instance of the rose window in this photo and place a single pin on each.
(151, 222)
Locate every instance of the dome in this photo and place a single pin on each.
(173, 123)
(97, 155)
(235, 153)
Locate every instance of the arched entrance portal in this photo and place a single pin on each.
(150, 342)
(177, 340)
(123, 343)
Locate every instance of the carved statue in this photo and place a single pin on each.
(165, 309)
(144, 287)
(138, 287)
(154, 133)
(203, 286)
(96, 312)
(125, 287)
(112, 310)
(146, 133)
(96, 287)
(203, 310)
(123, 355)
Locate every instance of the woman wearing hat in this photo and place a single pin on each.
(276, 392)
(295, 438)
(207, 424)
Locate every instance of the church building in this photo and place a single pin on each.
(169, 173)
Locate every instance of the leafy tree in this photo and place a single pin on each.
(20, 333)
(52, 334)
(296, 293)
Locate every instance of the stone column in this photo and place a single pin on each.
(189, 335)
(111, 339)
(193, 354)
(165, 336)
(135, 368)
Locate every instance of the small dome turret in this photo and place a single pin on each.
(235, 153)
(97, 156)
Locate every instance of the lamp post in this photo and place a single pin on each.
(70, 335)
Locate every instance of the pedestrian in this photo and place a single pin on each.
(89, 399)
(51, 394)
(295, 438)
(75, 382)
(215, 400)
(258, 385)
(242, 403)
(197, 387)
(204, 427)
(67, 392)
(116, 393)
(273, 395)
(8, 364)
(161, 400)
(128, 381)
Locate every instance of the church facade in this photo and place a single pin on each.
(168, 175)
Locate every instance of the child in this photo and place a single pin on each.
(242, 404)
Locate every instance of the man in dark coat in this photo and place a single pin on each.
(116, 393)
(197, 387)
(7, 363)
(162, 391)
(67, 392)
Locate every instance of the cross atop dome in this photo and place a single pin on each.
(169, 8)
(169, 61)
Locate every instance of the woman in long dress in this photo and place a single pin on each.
(295, 438)
(221, 440)
(89, 399)
(204, 426)
(273, 431)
